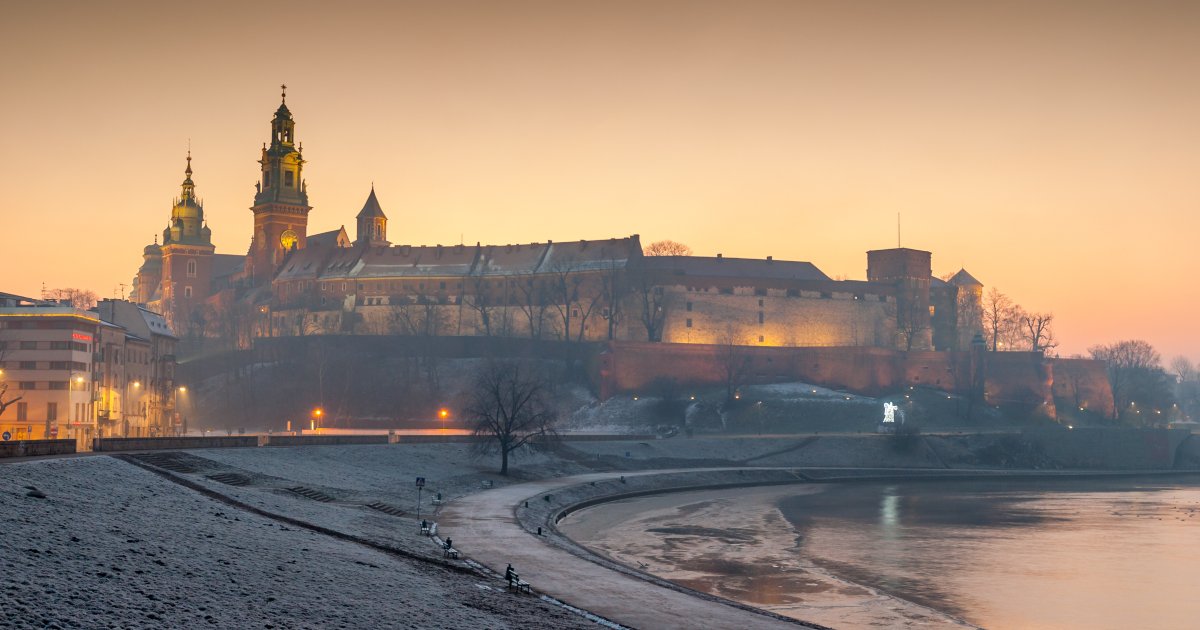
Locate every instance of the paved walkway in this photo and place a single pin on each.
(485, 528)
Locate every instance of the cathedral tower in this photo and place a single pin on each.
(372, 223)
(281, 202)
(187, 253)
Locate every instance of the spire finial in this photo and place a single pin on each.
(188, 171)
(283, 87)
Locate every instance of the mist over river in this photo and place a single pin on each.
(1067, 553)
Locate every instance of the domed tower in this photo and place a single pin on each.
(147, 283)
(372, 223)
(281, 201)
(187, 252)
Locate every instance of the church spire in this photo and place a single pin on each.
(189, 187)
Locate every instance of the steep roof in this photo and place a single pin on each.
(224, 265)
(332, 238)
(371, 208)
(720, 267)
(964, 279)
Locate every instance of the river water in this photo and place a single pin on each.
(1070, 553)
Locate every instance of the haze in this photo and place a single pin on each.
(1049, 148)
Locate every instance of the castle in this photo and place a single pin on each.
(294, 283)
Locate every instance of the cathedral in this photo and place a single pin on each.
(294, 283)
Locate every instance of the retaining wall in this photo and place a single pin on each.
(322, 440)
(161, 443)
(26, 448)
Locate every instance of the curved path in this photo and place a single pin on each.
(487, 530)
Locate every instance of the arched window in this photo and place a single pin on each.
(187, 292)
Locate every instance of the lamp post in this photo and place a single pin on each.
(182, 389)
(443, 414)
(317, 413)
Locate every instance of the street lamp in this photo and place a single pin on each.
(317, 413)
(443, 413)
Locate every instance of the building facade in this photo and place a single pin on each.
(68, 373)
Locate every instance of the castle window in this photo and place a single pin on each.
(689, 322)
(288, 178)
(689, 307)
(191, 269)
(441, 285)
(793, 292)
(932, 310)
(760, 303)
(761, 339)
(187, 292)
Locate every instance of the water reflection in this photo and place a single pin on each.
(889, 512)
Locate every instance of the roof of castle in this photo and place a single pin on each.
(721, 267)
(964, 279)
(224, 265)
(371, 208)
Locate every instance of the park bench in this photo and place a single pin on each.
(486, 483)
(519, 585)
(450, 552)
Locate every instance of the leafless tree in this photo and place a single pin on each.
(667, 248)
(614, 281)
(970, 316)
(998, 315)
(1131, 366)
(734, 364)
(5, 399)
(482, 301)
(1037, 331)
(651, 303)
(79, 298)
(509, 409)
(533, 300)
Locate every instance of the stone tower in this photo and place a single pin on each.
(187, 252)
(372, 223)
(281, 201)
(910, 271)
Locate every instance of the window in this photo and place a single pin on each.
(22, 411)
(187, 292)
(761, 339)
(689, 307)
(289, 178)
(191, 269)
(441, 285)
(60, 365)
(58, 384)
(689, 322)
(28, 365)
(79, 347)
(760, 303)
(932, 310)
(29, 345)
(51, 411)
(27, 385)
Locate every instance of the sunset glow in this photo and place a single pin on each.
(1048, 148)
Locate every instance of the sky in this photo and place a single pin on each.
(1049, 147)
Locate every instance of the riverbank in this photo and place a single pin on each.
(118, 542)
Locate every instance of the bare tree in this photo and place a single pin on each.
(734, 365)
(651, 303)
(5, 399)
(667, 248)
(481, 301)
(79, 298)
(614, 281)
(911, 326)
(998, 311)
(1038, 332)
(533, 301)
(1131, 366)
(509, 409)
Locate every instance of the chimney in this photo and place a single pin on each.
(770, 259)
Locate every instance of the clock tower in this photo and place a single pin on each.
(281, 199)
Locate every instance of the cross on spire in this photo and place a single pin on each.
(283, 87)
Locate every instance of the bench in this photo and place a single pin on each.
(486, 483)
(519, 585)
(425, 529)
(450, 552)
(437, 502)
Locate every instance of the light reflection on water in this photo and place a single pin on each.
(1018, 554)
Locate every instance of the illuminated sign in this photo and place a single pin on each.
(81, 337)
(889, 412)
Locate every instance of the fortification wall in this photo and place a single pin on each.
(152, 444)
(1083, 384)
(1110, 448)
(28, 448)
(810, 318)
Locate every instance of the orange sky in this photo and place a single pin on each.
(1051, 148)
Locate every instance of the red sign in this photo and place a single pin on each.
(54, 431)
(81, 337)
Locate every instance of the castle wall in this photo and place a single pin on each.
(771, 317)
(1083, 384)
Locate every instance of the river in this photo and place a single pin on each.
(1063, 554)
